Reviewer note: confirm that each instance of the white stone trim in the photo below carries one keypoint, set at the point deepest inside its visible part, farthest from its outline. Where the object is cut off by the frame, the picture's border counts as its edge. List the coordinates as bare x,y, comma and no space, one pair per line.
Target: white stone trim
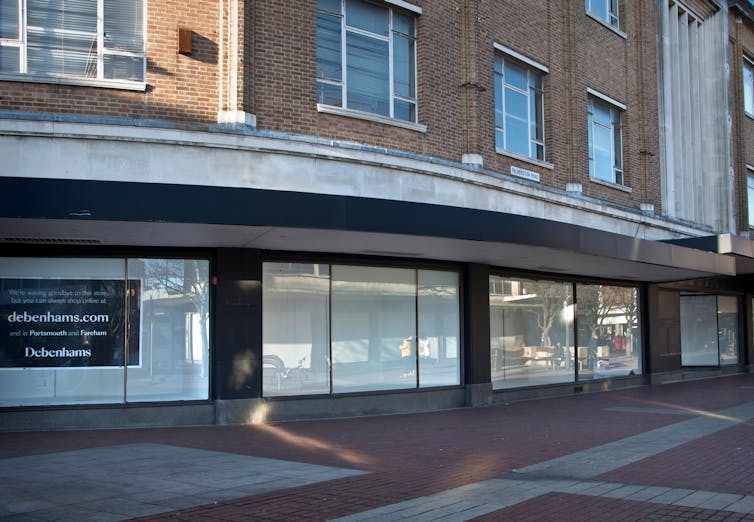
606,98
520,57
405,5
236,117
361,115
124,85
610,184
527,159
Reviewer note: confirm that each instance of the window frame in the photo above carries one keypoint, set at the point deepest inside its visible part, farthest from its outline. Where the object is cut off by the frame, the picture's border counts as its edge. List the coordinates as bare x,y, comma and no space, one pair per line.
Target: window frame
612,15
343,108
532,68
617,170
99,79
750,194
748,85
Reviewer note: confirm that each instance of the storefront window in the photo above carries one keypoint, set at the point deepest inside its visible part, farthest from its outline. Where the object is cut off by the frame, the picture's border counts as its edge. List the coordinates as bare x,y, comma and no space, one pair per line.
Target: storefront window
439,329
609,336
341,329
709,330
78,331
296,343
173,331
531,332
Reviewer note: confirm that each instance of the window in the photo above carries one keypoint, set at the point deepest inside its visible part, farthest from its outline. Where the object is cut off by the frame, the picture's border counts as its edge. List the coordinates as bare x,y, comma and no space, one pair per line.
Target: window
519,112
750,195
605,10
76,39
749,88
605,143
68,336
366,58
339,329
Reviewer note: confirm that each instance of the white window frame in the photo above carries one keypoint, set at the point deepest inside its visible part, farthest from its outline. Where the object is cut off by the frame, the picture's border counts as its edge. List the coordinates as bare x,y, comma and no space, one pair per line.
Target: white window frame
615,108
343,108
506,54
750,194
611,9
98,80
748,84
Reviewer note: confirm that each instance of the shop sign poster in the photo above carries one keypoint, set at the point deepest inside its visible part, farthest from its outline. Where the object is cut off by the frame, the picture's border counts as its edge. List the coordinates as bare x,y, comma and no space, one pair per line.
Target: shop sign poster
74,323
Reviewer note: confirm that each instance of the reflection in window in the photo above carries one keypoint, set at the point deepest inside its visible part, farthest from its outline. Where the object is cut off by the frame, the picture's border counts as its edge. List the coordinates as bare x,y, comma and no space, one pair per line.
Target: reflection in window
727,329
748,88
439,348
609,336
296,345
699,335
531,332
174,330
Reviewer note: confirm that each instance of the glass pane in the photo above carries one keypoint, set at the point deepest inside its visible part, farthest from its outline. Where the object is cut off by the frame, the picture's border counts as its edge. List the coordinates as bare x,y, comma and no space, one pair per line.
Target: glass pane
531,332
124,67
601,114
329,94
439,329
9,19
727,328
516,76
9,59
329,5
617,144
499,139
609,331
62,37
750,197
368,74
403,23
498,101
598,8
602,153
403,67
404,110
64,338
749,89
367,16
373,328
699,330
124,25
172,320
329,47
295,328
498,65
516,122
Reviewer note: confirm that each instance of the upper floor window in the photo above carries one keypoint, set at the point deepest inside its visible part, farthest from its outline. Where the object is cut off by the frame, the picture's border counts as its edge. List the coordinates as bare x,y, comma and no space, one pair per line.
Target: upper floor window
366,58
750,194
749,88
519,111
605,142
605,10
75,39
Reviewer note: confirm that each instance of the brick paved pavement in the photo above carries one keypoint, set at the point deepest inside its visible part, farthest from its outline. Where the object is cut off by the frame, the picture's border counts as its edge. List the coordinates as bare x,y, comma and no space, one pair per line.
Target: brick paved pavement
545,460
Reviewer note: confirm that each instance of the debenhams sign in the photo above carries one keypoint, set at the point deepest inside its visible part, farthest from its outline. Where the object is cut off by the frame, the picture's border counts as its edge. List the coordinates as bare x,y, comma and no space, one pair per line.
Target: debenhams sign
67,323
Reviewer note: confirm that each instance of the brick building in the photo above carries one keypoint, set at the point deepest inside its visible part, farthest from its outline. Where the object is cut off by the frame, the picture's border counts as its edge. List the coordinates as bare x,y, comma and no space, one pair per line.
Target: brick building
228,211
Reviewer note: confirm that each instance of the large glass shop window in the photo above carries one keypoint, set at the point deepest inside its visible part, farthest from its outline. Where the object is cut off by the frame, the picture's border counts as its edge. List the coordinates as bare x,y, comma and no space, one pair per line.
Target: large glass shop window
78,331
340,329
709,330
536,337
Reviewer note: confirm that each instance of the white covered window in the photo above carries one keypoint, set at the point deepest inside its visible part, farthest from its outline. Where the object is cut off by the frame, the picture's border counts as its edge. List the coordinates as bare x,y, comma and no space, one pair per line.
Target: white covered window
749,88
605,10
366,58
74,39
605,141
519,112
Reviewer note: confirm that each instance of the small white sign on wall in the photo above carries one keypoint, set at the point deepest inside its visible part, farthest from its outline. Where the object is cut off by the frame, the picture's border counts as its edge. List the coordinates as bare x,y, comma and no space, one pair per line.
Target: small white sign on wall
523,173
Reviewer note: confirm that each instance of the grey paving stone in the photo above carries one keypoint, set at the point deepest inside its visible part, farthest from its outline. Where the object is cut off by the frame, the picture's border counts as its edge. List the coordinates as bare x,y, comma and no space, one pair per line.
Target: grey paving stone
648,493
745,505
624,491
721,501
672,496
696,499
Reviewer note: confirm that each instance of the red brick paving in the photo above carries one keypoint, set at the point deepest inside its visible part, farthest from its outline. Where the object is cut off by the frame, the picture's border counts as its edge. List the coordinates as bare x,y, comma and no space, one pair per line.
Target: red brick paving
409,456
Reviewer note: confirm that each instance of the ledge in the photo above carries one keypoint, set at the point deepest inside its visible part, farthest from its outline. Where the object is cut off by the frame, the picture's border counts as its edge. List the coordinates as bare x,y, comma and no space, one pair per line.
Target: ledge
124,85
605,24
361,115
526,159
615,186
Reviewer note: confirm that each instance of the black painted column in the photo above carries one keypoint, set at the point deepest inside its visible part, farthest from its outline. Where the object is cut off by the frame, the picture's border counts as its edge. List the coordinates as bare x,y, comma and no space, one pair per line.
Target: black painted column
238,324
477,368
